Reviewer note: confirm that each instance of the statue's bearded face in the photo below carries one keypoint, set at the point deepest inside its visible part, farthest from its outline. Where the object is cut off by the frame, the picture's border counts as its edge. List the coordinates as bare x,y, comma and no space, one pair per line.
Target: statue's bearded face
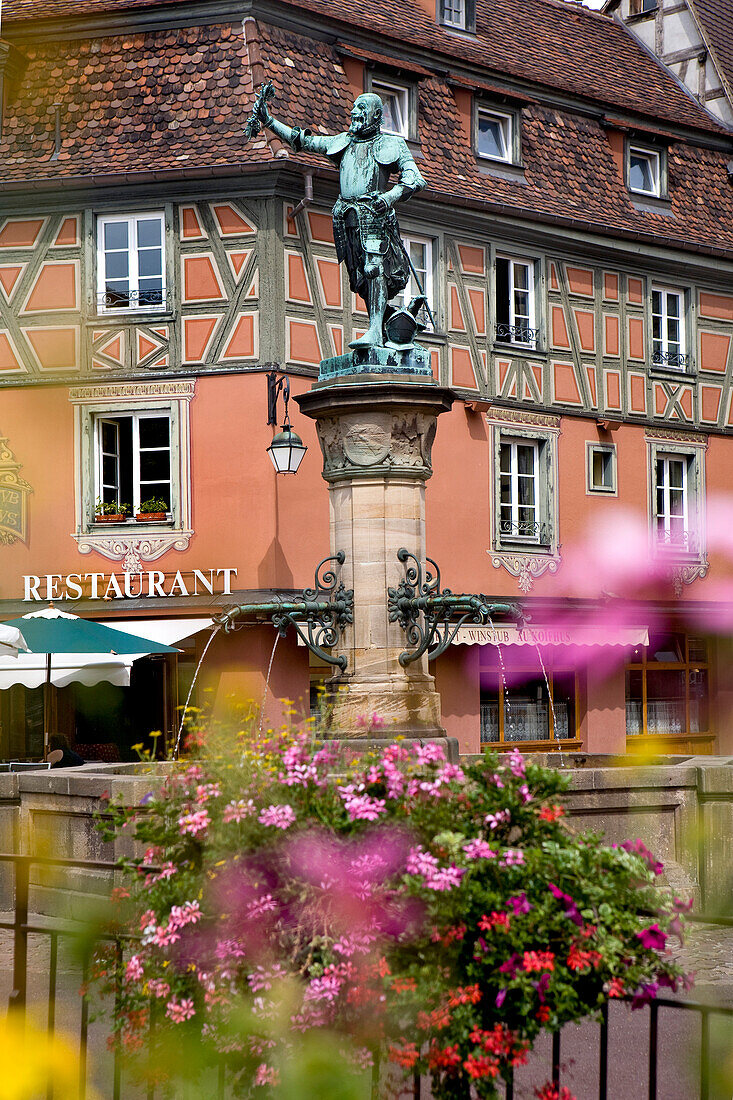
366,115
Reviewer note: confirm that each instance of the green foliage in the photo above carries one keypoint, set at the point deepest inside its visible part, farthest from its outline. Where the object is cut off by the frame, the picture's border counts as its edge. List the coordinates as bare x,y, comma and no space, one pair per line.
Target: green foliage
110,508
303,906
154,504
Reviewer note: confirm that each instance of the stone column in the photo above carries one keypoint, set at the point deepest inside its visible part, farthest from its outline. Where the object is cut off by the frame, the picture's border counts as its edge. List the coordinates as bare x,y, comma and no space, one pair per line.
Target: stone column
376,437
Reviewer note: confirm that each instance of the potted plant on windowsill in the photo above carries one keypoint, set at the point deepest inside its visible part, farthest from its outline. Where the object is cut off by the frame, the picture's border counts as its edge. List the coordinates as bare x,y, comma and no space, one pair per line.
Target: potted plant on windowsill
110,512
152,511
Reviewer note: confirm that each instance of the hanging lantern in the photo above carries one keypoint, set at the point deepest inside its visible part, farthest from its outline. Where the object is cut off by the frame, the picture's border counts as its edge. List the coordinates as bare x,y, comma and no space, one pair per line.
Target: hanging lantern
286,451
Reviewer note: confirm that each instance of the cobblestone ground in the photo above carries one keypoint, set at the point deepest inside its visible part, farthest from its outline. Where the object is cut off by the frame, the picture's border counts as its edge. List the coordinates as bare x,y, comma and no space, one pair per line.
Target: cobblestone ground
708,951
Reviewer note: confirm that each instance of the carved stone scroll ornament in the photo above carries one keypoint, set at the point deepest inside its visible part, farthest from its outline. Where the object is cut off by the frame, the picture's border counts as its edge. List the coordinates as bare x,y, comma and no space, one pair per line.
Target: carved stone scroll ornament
133,552
680,575
525,567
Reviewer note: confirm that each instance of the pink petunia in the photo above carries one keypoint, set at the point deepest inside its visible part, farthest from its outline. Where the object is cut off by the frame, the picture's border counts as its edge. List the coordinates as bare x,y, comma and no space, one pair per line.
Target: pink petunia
653,938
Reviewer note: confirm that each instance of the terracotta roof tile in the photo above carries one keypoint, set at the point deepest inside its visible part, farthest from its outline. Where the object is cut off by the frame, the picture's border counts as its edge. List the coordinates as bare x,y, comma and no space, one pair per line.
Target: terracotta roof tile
178,99
550,42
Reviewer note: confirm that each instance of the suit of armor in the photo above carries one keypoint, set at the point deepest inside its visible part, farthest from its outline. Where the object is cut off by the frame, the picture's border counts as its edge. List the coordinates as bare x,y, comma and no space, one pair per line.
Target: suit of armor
364,223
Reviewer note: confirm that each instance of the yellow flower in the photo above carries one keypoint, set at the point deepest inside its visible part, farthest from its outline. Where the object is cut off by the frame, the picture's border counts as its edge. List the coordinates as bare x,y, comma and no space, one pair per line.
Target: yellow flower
30,1059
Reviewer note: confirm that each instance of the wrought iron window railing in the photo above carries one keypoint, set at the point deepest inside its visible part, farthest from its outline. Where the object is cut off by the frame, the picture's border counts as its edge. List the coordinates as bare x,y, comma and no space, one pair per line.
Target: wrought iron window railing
684,542
526,532
674,359
132,299
517,334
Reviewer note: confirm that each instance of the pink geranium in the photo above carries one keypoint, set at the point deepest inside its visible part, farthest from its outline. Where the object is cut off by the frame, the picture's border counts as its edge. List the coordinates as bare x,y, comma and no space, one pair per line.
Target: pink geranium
180,1011
278,816
238,811
195,822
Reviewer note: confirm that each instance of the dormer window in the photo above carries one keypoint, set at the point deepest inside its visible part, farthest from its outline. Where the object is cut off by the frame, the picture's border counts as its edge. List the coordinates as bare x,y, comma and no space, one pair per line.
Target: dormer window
495,135
644,173
396,102
454,13
459,15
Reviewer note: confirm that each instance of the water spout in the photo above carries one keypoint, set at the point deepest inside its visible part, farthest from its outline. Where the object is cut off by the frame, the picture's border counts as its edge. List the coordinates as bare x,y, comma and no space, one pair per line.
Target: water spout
213,634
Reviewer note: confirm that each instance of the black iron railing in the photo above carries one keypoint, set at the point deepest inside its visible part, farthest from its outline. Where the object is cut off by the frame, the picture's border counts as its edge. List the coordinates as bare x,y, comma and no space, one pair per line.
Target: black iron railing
22,926
131,299
674,359
517,334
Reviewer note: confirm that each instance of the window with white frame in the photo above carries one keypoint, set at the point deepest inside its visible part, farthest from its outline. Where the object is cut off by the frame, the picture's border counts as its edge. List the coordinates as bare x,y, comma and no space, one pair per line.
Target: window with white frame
645,171
668,328
672,514
519,491
131,262
453,13
515,302
396,106
641,7
601,467
495,135
133,459
420,251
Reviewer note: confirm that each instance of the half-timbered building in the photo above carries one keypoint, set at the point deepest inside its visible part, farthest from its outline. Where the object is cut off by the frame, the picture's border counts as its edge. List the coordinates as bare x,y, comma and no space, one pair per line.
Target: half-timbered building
576,244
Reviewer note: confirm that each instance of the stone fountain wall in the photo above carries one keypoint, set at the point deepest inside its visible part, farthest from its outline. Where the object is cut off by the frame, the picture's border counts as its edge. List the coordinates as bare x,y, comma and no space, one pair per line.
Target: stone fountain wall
681,808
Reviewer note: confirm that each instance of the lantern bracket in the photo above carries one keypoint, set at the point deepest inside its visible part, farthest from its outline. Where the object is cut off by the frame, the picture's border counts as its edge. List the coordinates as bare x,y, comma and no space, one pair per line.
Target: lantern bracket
276,386
319,615
426,612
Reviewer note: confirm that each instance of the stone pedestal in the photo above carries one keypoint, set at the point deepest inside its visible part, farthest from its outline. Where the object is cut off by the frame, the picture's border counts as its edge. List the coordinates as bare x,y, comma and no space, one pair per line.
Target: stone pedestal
376,435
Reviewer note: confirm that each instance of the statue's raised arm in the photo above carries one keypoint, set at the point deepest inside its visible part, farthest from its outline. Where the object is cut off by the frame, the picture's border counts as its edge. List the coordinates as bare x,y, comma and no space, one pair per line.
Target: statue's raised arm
365,227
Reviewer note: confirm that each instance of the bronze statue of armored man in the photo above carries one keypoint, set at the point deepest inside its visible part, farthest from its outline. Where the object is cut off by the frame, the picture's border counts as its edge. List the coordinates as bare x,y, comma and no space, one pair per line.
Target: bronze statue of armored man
365,226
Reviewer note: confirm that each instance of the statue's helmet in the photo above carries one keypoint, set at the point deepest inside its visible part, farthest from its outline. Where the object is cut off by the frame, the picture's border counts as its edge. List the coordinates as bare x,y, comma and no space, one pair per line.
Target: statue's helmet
366,114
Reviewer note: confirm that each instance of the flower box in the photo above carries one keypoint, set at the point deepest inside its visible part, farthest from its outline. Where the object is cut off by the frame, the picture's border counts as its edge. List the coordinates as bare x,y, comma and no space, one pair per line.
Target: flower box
118,517
150,517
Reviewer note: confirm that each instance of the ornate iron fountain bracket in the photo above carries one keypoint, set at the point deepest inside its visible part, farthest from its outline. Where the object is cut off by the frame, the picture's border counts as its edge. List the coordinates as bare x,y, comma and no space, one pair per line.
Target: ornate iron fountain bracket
431,616
318,615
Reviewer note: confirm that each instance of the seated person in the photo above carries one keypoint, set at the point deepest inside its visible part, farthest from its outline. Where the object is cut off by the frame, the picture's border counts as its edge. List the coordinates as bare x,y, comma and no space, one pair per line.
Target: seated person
61,755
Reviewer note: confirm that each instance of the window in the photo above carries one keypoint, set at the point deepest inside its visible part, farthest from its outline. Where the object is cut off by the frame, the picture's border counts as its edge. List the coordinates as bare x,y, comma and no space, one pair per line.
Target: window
672,510
396,104
134,458
457,14
133,443
645,171
668,330
667,687
515,302
519,495
641,7
677,505
494,135
453,13
601,467
131,263
518,704
420,251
